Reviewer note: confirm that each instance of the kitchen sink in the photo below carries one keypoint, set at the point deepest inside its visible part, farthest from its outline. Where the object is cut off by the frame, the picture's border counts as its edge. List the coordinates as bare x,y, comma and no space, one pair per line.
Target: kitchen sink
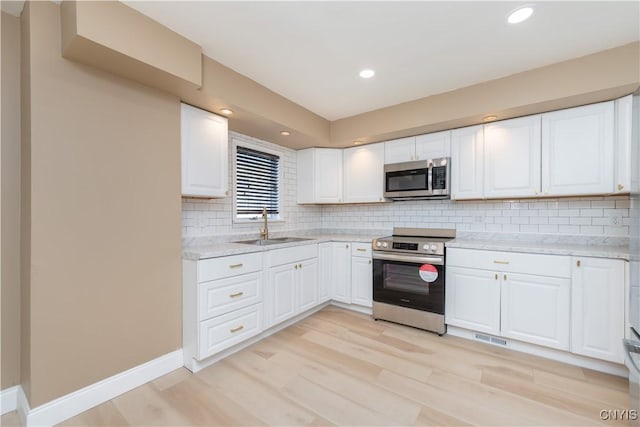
274,241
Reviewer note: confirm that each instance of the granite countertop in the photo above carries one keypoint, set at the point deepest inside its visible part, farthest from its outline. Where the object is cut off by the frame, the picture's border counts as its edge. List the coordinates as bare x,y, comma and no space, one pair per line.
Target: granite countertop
600,247
592,246
210,248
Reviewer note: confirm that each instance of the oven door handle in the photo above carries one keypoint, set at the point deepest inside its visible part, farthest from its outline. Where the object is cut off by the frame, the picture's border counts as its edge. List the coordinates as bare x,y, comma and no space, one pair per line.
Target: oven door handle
408,258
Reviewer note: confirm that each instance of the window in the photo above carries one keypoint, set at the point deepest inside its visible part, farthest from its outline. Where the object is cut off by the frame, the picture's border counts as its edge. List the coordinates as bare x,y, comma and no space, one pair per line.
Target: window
257,183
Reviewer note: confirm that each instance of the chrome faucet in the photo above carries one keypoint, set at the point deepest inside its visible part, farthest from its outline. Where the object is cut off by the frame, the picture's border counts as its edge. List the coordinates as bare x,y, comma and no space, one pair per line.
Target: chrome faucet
264,233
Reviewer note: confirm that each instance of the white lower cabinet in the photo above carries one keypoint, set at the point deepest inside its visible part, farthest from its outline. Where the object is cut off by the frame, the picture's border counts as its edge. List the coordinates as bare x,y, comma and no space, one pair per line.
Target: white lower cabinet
223,331
571,304
281,293
535,309
361,275
348,268
292,284
222,304
597,300
325,271
472,299
340,272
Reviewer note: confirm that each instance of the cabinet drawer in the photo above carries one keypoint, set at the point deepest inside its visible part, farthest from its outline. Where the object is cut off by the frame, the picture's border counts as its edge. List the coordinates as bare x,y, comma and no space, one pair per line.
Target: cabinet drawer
219,268
514,262
223,296
229,329
292,254
361,249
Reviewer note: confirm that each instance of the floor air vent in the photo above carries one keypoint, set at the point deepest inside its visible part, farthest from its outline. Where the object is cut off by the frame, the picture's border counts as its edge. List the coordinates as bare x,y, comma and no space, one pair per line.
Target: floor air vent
490,340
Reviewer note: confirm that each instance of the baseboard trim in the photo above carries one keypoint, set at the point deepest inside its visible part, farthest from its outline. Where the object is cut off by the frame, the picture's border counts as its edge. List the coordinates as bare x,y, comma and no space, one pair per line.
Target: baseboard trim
353,307
9,399
86,398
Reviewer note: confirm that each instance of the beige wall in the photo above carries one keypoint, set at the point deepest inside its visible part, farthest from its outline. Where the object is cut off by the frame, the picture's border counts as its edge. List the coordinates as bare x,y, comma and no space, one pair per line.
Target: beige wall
602,76
105,217
25,201
10,193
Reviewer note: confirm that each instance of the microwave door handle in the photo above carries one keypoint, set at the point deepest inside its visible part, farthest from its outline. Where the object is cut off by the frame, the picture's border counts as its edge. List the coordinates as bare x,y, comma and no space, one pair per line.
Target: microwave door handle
430,177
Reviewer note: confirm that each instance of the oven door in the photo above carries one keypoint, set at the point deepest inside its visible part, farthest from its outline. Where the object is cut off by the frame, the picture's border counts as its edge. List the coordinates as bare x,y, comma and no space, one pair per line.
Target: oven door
409,281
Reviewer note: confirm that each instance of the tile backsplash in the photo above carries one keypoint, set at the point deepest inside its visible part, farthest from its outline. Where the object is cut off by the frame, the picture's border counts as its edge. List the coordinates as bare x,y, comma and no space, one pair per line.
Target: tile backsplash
602,216
595,216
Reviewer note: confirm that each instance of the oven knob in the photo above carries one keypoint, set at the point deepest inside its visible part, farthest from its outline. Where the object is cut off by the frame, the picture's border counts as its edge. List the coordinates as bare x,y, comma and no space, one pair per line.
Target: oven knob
433,247
378,244
425,247
384,244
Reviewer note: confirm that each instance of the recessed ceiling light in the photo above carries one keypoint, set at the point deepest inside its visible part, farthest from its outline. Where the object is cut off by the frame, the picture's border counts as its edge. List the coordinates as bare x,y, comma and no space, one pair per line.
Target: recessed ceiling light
367,74
285,133
226,111
357,142
520,14
489,118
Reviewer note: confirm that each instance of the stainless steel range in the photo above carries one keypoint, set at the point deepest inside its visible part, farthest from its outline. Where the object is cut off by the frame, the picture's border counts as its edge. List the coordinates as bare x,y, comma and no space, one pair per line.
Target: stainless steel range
408,277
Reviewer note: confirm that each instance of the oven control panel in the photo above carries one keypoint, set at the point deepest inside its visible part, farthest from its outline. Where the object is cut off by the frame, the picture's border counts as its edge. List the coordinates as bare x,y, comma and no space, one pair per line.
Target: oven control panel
408,245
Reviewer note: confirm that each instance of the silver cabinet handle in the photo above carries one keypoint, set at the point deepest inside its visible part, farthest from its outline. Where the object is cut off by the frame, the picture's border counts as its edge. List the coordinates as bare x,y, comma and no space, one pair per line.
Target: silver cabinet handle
498,261
236,265
236,329
236,295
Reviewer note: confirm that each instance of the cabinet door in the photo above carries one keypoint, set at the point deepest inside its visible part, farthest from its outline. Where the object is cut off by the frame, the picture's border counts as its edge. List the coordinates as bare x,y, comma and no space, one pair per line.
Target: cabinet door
325,271
624,107
328,175
341,274
433,145
361,281
472,299
281,304
467,148
400,150
364,173
512,158
307,283
536,309
577,150
205,160
597,318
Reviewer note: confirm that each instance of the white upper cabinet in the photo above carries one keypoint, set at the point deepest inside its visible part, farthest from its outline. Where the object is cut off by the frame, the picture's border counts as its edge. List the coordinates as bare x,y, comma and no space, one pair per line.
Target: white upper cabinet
578,150
433,145
467,150
400,150
364,174
623,144
512,158
421,147
320,175
205,160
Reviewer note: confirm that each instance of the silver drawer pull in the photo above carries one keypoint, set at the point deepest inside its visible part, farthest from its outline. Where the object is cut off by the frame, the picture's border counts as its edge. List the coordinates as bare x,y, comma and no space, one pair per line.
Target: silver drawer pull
498,261
236,329
236,295
361,250
236,265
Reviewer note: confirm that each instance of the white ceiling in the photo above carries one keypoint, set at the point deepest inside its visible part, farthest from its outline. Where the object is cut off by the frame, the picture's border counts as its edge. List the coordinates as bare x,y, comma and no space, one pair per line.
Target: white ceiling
311,52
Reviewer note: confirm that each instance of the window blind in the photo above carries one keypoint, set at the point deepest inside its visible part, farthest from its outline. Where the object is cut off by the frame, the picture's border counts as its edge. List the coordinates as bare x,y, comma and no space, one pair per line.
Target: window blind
257,182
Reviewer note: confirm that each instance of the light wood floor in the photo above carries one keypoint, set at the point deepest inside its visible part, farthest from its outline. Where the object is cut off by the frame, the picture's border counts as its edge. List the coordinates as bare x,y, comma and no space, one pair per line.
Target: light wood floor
342,368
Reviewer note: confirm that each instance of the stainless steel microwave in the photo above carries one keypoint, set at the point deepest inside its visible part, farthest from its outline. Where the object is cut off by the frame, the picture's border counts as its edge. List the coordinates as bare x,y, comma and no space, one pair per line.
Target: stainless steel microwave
422,179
